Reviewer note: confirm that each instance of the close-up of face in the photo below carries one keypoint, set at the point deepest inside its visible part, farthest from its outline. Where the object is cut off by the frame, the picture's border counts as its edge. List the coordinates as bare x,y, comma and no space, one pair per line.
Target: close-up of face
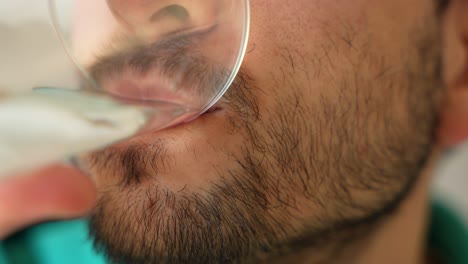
324,132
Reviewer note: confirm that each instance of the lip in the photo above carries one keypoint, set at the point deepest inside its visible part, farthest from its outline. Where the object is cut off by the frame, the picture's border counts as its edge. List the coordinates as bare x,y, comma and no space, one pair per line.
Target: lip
212,110
150,87
194,117
173,108
184,120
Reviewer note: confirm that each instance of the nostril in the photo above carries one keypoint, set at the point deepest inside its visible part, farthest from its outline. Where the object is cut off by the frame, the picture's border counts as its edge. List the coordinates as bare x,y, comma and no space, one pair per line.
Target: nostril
172,11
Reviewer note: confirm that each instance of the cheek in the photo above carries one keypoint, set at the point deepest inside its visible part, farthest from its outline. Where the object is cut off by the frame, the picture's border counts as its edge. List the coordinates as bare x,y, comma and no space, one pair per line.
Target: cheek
200,159
287,46
313,44
189,158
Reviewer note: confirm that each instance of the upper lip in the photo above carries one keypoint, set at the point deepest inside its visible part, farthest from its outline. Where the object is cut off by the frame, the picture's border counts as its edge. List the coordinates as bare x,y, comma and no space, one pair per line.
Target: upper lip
170,71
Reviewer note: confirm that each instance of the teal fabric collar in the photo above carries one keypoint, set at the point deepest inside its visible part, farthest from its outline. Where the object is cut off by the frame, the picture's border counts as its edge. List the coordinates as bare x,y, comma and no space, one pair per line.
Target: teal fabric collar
52,243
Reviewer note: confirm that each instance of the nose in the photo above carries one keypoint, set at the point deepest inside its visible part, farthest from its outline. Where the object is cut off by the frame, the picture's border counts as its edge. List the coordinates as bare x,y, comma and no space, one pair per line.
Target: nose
162,17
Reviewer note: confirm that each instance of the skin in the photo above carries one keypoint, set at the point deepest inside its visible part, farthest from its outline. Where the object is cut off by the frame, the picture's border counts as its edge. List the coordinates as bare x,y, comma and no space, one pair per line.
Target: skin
321,152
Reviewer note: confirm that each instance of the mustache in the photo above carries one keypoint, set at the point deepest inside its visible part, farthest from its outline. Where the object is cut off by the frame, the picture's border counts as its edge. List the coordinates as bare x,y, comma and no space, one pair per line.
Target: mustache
179,60
140,161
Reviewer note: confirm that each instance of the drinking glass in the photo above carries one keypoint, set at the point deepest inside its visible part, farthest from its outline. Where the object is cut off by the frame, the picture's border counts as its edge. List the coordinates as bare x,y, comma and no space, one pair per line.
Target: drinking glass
78,75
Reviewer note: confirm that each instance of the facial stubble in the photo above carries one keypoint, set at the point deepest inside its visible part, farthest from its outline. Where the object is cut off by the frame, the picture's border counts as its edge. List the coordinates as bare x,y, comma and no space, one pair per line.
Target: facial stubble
251,213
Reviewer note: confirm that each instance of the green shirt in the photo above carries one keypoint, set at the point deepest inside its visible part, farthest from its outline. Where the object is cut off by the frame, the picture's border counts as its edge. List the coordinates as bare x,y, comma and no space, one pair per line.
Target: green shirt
68,242
448,235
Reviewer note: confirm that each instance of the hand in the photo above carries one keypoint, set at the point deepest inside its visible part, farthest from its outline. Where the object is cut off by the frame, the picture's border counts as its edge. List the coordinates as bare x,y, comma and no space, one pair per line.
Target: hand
56,192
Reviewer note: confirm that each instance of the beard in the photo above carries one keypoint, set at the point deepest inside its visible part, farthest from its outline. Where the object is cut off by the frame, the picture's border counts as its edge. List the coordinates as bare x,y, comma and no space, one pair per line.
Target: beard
351,157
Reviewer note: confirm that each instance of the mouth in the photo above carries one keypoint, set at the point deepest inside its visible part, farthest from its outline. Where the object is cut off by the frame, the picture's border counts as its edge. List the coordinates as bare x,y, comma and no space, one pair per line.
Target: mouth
192,119
181,122
175,80
172,106
215,108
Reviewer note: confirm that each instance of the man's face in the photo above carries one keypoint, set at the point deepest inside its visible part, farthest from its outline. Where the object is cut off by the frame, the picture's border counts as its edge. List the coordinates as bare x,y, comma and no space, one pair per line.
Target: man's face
324,131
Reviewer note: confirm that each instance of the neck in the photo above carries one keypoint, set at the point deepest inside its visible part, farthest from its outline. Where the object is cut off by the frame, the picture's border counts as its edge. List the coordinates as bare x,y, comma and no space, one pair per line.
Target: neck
400,238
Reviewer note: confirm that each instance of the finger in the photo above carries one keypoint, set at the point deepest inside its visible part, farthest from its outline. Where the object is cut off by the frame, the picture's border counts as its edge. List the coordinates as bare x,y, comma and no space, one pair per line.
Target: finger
57,192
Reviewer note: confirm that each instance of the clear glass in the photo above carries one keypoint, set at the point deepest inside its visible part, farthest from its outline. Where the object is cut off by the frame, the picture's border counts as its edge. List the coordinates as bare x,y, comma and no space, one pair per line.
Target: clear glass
77,75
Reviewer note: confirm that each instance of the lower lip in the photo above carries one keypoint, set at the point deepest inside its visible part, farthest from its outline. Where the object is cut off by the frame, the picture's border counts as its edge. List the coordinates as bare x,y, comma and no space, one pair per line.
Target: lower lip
195,118
181,121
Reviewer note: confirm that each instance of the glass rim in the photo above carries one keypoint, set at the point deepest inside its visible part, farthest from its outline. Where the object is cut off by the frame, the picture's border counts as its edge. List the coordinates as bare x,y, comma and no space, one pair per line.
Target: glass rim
241,52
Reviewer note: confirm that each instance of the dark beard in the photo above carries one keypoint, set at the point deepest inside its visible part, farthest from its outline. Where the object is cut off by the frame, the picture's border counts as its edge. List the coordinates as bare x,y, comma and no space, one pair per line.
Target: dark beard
323,153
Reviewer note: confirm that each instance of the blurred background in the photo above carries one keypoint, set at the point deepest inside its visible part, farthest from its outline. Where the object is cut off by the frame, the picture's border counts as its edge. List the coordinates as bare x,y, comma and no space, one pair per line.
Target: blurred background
451,180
